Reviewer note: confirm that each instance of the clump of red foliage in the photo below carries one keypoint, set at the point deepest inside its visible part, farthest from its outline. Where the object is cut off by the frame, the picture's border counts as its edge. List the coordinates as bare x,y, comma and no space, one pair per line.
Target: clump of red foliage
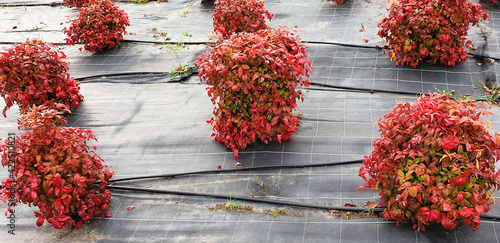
35,73
76,3
434,162
234,16
340,2
429,30
252,78
100,25
55,170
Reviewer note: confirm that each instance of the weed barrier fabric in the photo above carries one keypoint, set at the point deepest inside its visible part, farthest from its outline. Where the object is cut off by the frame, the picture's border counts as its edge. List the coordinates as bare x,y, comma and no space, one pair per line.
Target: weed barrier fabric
147,125
146,129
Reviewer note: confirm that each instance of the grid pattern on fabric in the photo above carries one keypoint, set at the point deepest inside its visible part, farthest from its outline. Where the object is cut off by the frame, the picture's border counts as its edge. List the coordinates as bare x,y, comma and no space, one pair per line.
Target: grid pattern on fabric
146,126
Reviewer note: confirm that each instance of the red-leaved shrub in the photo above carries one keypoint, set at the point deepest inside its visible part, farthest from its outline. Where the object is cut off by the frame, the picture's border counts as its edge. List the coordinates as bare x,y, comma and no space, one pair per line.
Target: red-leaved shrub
429,30
54,169
234,16
340,2
100,25
252,78
35,73
434,162
76,3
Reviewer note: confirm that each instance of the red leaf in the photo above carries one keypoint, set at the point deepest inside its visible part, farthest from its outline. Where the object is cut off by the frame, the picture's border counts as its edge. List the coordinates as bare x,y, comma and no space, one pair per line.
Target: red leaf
108,215
435,215
466,212
446,207
57,180
450,143
458,181
130,208
78,225
425,213
39,221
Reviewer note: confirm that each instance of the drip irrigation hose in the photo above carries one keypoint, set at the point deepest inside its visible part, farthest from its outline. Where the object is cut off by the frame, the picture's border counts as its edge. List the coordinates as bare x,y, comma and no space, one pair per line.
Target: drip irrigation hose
364,89
16,42
52,4
170,42
483,56
342,44
119,74
193,71
175,76
248,199
267,167
212,42
268,201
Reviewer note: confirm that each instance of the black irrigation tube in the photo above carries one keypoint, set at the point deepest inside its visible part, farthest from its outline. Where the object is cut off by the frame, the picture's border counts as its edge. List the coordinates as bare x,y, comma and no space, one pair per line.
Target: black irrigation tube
211,42
267,167
169,42
248,199
120,74
52,4
483,56
194,72
385,48
365,89
268,201
342,44
15,42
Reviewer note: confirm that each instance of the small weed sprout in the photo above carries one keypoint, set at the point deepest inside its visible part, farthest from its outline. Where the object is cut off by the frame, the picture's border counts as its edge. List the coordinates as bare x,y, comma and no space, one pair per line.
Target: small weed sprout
184,13
259,181
231,204
444,92
174,47
179,70
492,92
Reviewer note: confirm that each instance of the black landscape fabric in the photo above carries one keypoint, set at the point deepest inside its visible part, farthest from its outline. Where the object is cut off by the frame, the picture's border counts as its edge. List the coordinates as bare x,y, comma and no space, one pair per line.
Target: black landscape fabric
154,123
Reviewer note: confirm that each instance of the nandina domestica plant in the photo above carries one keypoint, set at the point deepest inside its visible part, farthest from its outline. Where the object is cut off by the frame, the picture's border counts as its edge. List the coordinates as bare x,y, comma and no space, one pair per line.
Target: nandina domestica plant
76,3
100,25
431,30
252,79
55,170
434,162
35,73
234,16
